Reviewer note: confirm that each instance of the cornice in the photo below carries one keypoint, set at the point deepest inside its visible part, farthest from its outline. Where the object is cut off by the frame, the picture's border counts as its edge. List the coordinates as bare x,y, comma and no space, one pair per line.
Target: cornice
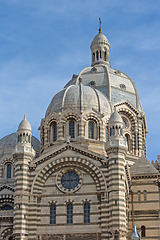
66,147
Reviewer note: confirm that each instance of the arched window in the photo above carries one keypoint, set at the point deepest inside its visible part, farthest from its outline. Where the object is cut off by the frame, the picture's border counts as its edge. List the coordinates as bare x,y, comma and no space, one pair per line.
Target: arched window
111,131
105,54
100,54
91,130
97,56
70,213
6,207
54,132
127,140
86,213
93,57
145,195
106,134
72,128
23,137
143,231
9,168
116,129
53,214
139,196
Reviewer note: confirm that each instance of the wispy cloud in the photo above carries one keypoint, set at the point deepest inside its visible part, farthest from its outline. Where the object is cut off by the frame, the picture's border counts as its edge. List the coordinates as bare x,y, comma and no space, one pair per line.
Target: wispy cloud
43,43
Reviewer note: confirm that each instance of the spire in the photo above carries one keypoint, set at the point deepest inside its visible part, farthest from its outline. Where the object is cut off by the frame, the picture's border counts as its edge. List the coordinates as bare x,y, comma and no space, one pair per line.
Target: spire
100,29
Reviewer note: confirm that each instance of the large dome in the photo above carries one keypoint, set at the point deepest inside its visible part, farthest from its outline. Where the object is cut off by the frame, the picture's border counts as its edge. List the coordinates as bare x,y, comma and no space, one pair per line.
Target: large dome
79,97
116,85
8,144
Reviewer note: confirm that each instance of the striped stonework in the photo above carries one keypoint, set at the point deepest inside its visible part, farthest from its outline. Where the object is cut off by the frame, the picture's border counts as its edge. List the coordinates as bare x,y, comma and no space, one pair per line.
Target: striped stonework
117,189
22,159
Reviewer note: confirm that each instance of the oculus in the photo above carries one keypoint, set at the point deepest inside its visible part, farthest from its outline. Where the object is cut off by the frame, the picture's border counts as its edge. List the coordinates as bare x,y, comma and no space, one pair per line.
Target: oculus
69,180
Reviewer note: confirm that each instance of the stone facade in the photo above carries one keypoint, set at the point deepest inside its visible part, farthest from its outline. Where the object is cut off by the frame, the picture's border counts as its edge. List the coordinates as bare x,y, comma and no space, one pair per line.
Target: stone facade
88,178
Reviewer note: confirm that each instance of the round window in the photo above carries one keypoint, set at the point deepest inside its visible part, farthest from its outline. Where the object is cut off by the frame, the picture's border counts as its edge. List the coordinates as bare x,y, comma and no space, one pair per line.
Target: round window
69,180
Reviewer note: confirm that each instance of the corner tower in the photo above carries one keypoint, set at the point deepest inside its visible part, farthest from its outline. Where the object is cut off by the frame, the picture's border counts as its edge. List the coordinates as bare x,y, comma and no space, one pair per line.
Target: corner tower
23,155
116,149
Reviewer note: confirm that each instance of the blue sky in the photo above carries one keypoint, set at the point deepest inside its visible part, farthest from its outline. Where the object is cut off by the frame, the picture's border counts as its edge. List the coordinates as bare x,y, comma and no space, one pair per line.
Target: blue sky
42,43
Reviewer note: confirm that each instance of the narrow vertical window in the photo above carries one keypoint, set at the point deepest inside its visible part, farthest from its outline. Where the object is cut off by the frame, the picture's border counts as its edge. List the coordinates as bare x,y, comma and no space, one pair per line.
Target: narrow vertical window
9,167
97,56
139,196
86,213
91,130
143,231
54,132
106,134
48,135
70,213
93,57
145,195
71,128
111,131
53,214
105,54
127,140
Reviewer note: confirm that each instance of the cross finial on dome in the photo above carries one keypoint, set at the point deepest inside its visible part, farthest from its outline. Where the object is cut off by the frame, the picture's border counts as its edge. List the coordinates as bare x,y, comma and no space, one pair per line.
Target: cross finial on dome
100,29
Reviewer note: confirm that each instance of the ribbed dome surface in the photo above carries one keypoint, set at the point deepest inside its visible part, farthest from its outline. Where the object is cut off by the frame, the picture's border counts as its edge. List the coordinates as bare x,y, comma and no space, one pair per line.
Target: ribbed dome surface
99,38
24,124
8,143
116,85
79,97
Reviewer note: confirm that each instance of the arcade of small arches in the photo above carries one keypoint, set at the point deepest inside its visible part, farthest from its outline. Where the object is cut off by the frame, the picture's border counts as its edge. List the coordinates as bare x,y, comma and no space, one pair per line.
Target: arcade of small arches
90,127
100,55
24,137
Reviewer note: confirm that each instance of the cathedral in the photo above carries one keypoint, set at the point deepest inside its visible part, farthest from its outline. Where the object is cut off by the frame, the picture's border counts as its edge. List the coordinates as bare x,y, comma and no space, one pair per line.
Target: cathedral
88,177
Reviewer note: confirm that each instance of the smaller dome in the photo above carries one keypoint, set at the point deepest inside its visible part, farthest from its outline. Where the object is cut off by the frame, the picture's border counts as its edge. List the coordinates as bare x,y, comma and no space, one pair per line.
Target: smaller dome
24,124
115,118
79,97
9,142
99,38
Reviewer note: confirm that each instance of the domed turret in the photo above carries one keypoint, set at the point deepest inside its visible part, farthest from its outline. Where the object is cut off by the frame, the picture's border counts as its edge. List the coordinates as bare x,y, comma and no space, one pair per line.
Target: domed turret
100,49
116,126
24,131
115,118
24,124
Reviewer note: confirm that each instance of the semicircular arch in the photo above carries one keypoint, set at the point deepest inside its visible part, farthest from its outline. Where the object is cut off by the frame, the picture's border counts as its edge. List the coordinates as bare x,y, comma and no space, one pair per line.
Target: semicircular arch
81,163
6,232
